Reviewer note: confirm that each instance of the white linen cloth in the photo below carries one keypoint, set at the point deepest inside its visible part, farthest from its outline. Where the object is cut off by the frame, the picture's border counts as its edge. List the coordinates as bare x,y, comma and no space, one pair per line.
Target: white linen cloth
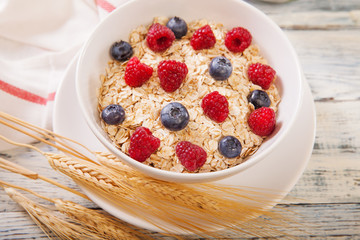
38,39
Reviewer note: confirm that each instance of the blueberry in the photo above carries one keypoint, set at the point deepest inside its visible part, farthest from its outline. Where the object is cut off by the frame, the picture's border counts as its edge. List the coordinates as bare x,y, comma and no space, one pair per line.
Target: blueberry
178,26
174,116
121,51
259,99
220,68
230,147
113,114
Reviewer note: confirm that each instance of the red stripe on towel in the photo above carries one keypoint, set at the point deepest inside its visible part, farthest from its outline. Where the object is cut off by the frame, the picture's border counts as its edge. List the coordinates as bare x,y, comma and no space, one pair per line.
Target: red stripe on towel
25,95
105,5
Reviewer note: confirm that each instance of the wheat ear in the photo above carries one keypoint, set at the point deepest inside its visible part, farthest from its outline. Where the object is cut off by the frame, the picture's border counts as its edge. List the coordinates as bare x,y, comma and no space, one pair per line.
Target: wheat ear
52,224
85,172
221,218
200,197
94,176
167,191
96,220
183,216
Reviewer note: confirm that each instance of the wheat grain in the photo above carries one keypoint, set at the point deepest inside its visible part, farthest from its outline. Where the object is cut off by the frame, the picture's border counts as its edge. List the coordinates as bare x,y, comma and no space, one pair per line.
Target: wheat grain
52,224
96,220
173,192
129,199
215,203
175,203
111,161
99,178
99,221
202,197
80,170
195,209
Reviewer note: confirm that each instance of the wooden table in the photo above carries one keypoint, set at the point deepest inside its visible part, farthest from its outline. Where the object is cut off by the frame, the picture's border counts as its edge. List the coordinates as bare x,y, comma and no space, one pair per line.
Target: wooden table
326,36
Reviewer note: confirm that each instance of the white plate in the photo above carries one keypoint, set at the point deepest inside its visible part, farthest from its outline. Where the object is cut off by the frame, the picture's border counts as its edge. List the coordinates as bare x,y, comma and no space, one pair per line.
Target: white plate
280,171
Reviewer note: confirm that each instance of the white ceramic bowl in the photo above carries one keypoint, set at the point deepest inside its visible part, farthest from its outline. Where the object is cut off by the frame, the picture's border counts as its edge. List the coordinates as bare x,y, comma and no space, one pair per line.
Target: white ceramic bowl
273,43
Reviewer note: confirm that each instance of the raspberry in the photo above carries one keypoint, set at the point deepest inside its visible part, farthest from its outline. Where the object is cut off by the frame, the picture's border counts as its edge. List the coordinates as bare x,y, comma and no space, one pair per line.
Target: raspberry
159,37
215,106
143,144
171,74
137,73
238,39
262,121
191,156
203,38
261,75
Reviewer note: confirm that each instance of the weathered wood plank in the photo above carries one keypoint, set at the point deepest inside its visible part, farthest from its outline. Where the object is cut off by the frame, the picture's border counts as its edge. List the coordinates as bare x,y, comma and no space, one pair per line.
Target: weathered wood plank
317,221
326,36
318,20
338,130
333,172
330,61
328,180
18,225
306,6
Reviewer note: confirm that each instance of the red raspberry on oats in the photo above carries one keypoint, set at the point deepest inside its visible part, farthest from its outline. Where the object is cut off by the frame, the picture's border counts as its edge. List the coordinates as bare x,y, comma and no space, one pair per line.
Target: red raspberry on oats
143,144
215,106
261,74
191,156
238,39
159,37
171,74
203,38
262,121
137,73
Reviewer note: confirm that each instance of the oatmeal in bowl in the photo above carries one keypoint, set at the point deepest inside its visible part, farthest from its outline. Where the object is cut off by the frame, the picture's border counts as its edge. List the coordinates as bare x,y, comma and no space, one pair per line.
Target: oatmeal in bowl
187,98
208,82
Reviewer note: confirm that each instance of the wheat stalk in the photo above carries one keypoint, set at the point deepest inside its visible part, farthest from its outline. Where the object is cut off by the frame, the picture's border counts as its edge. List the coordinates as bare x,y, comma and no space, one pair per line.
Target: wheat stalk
125,189
184,210
193,209
52,224
200,197
168,191
61,141
73,208
94,179
94,176
99,221
15,168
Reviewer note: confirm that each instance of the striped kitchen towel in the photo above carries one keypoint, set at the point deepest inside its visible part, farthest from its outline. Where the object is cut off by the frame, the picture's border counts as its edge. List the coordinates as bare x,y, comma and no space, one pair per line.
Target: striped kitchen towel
38,39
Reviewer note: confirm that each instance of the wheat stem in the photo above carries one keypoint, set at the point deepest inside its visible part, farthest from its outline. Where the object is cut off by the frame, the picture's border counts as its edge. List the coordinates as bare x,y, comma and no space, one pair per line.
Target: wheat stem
6,184
42,131
194,208
51,223
47,134
97,221
15,168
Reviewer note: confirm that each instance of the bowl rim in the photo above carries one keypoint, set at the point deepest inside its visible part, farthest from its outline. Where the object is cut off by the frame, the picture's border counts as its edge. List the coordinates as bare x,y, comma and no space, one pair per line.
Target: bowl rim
188,177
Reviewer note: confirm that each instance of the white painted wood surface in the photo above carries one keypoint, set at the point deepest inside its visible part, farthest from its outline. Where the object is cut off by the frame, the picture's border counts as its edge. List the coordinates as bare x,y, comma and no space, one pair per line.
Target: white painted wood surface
326,36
